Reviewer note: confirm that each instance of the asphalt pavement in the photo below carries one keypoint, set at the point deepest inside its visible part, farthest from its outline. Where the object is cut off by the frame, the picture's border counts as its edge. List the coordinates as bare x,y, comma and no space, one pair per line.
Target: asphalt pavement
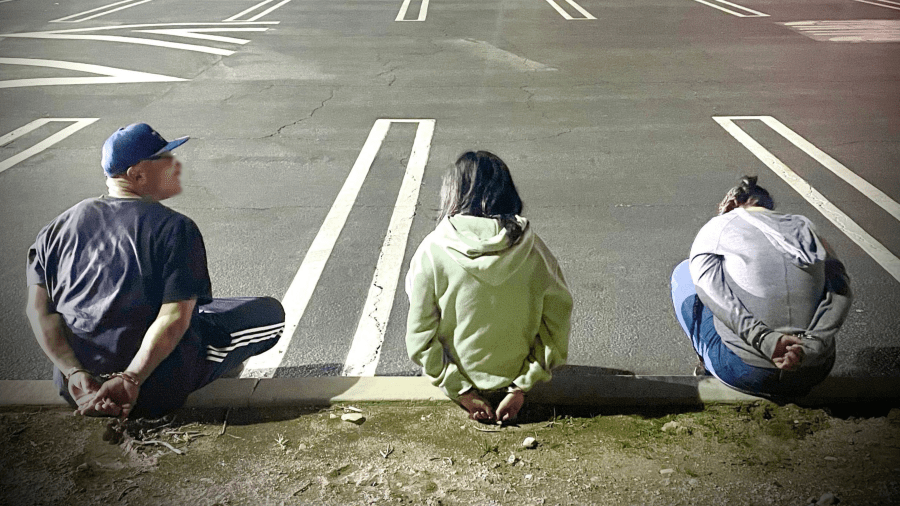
622,128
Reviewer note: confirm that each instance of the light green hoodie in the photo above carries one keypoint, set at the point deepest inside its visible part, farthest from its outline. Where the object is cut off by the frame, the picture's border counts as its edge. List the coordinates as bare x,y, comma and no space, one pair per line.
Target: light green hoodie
482,313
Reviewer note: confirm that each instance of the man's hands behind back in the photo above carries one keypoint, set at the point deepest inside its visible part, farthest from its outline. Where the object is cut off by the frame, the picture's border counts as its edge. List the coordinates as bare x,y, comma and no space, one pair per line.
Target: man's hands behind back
115,397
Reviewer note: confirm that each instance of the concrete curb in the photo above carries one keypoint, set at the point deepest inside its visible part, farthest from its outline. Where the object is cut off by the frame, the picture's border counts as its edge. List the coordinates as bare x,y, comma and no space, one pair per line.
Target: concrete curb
600,390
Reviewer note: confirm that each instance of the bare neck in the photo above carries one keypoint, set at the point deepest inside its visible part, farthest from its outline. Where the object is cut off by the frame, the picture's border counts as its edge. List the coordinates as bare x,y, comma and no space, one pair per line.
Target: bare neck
122,188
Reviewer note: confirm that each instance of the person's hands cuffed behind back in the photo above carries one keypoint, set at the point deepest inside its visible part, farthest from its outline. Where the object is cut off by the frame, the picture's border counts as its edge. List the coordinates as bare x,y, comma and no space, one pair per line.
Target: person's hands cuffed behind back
788,353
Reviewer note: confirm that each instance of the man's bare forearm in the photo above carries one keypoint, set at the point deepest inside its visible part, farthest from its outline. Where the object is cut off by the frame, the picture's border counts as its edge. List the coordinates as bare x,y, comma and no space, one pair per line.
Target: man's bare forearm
50,330
161,338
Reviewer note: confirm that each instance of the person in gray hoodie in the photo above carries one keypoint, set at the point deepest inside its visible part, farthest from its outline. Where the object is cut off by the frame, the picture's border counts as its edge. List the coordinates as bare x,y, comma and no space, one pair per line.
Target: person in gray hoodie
762,297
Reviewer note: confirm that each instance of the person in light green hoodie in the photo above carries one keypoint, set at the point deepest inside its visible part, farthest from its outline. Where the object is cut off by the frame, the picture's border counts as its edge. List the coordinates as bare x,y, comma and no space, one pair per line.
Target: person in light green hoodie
489,307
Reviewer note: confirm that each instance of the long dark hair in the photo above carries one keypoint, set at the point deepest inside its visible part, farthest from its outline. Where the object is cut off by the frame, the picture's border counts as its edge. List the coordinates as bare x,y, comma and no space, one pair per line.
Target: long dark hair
747,192
479,184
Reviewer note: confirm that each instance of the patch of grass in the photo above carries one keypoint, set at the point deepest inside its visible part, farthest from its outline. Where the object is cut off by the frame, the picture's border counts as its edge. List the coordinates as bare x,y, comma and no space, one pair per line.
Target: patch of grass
488,447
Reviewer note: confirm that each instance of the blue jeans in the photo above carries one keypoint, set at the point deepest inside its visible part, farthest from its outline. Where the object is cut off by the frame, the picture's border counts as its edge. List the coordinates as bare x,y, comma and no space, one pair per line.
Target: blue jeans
697,322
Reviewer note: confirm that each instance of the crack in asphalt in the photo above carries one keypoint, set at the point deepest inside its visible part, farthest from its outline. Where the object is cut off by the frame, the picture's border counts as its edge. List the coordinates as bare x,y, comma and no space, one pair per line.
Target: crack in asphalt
255,92
861,141
389,71
529,139
313,112
529,101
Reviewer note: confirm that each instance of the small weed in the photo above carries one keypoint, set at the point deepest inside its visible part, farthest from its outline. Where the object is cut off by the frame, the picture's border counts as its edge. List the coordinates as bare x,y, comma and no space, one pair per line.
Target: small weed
488,447
282,442
553,419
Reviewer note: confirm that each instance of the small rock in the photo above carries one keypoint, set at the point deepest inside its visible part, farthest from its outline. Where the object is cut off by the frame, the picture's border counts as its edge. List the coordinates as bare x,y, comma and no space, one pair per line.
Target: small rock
830,458
666,471
670,426
301,446
693,482
827,499
530,443
356,418
512,458
332,416
528,476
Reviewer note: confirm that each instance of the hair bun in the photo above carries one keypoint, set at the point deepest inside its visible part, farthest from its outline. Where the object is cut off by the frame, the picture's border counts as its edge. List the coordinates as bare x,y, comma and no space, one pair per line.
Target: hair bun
749,182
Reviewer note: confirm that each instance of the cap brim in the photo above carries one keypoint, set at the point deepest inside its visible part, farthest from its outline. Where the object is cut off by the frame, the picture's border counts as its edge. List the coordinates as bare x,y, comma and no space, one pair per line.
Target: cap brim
172,145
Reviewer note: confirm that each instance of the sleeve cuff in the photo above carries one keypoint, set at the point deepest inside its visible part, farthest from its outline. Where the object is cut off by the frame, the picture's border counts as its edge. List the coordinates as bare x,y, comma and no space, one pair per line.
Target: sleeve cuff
769,343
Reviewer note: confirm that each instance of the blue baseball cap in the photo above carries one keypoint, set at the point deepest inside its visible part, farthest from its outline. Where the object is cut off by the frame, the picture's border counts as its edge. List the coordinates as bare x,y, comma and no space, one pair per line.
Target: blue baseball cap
132,144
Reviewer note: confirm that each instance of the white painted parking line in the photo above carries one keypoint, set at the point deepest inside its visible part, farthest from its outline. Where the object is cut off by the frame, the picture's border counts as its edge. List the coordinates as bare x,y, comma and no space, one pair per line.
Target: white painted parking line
423,11
77,18
260,5
362,359
117,38
304,283
149,25
882,3
77,124
836,167
110,75
200,33
562,12
855,30
869,244
748,13
192,32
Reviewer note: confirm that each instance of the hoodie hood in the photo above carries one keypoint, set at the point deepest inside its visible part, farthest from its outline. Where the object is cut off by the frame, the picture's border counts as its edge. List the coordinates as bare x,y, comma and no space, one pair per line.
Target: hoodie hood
793,235
481,246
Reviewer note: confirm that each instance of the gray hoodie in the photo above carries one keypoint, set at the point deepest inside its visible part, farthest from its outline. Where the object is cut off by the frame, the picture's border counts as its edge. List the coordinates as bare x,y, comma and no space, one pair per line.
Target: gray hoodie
764,275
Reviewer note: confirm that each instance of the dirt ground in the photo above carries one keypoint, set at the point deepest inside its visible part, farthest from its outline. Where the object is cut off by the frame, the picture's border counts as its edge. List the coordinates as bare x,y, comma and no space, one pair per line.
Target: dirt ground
430,453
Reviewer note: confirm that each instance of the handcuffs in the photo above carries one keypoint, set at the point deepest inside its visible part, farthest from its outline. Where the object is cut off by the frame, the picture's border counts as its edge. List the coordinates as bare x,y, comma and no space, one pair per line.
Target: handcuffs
105,377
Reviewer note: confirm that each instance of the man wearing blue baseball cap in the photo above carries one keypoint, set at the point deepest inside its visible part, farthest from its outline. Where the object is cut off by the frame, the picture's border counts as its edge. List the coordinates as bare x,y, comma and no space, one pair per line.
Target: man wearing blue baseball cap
120,298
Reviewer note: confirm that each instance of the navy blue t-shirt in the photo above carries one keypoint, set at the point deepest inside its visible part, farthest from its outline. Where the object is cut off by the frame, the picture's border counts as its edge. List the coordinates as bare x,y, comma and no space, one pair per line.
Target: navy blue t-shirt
109,264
